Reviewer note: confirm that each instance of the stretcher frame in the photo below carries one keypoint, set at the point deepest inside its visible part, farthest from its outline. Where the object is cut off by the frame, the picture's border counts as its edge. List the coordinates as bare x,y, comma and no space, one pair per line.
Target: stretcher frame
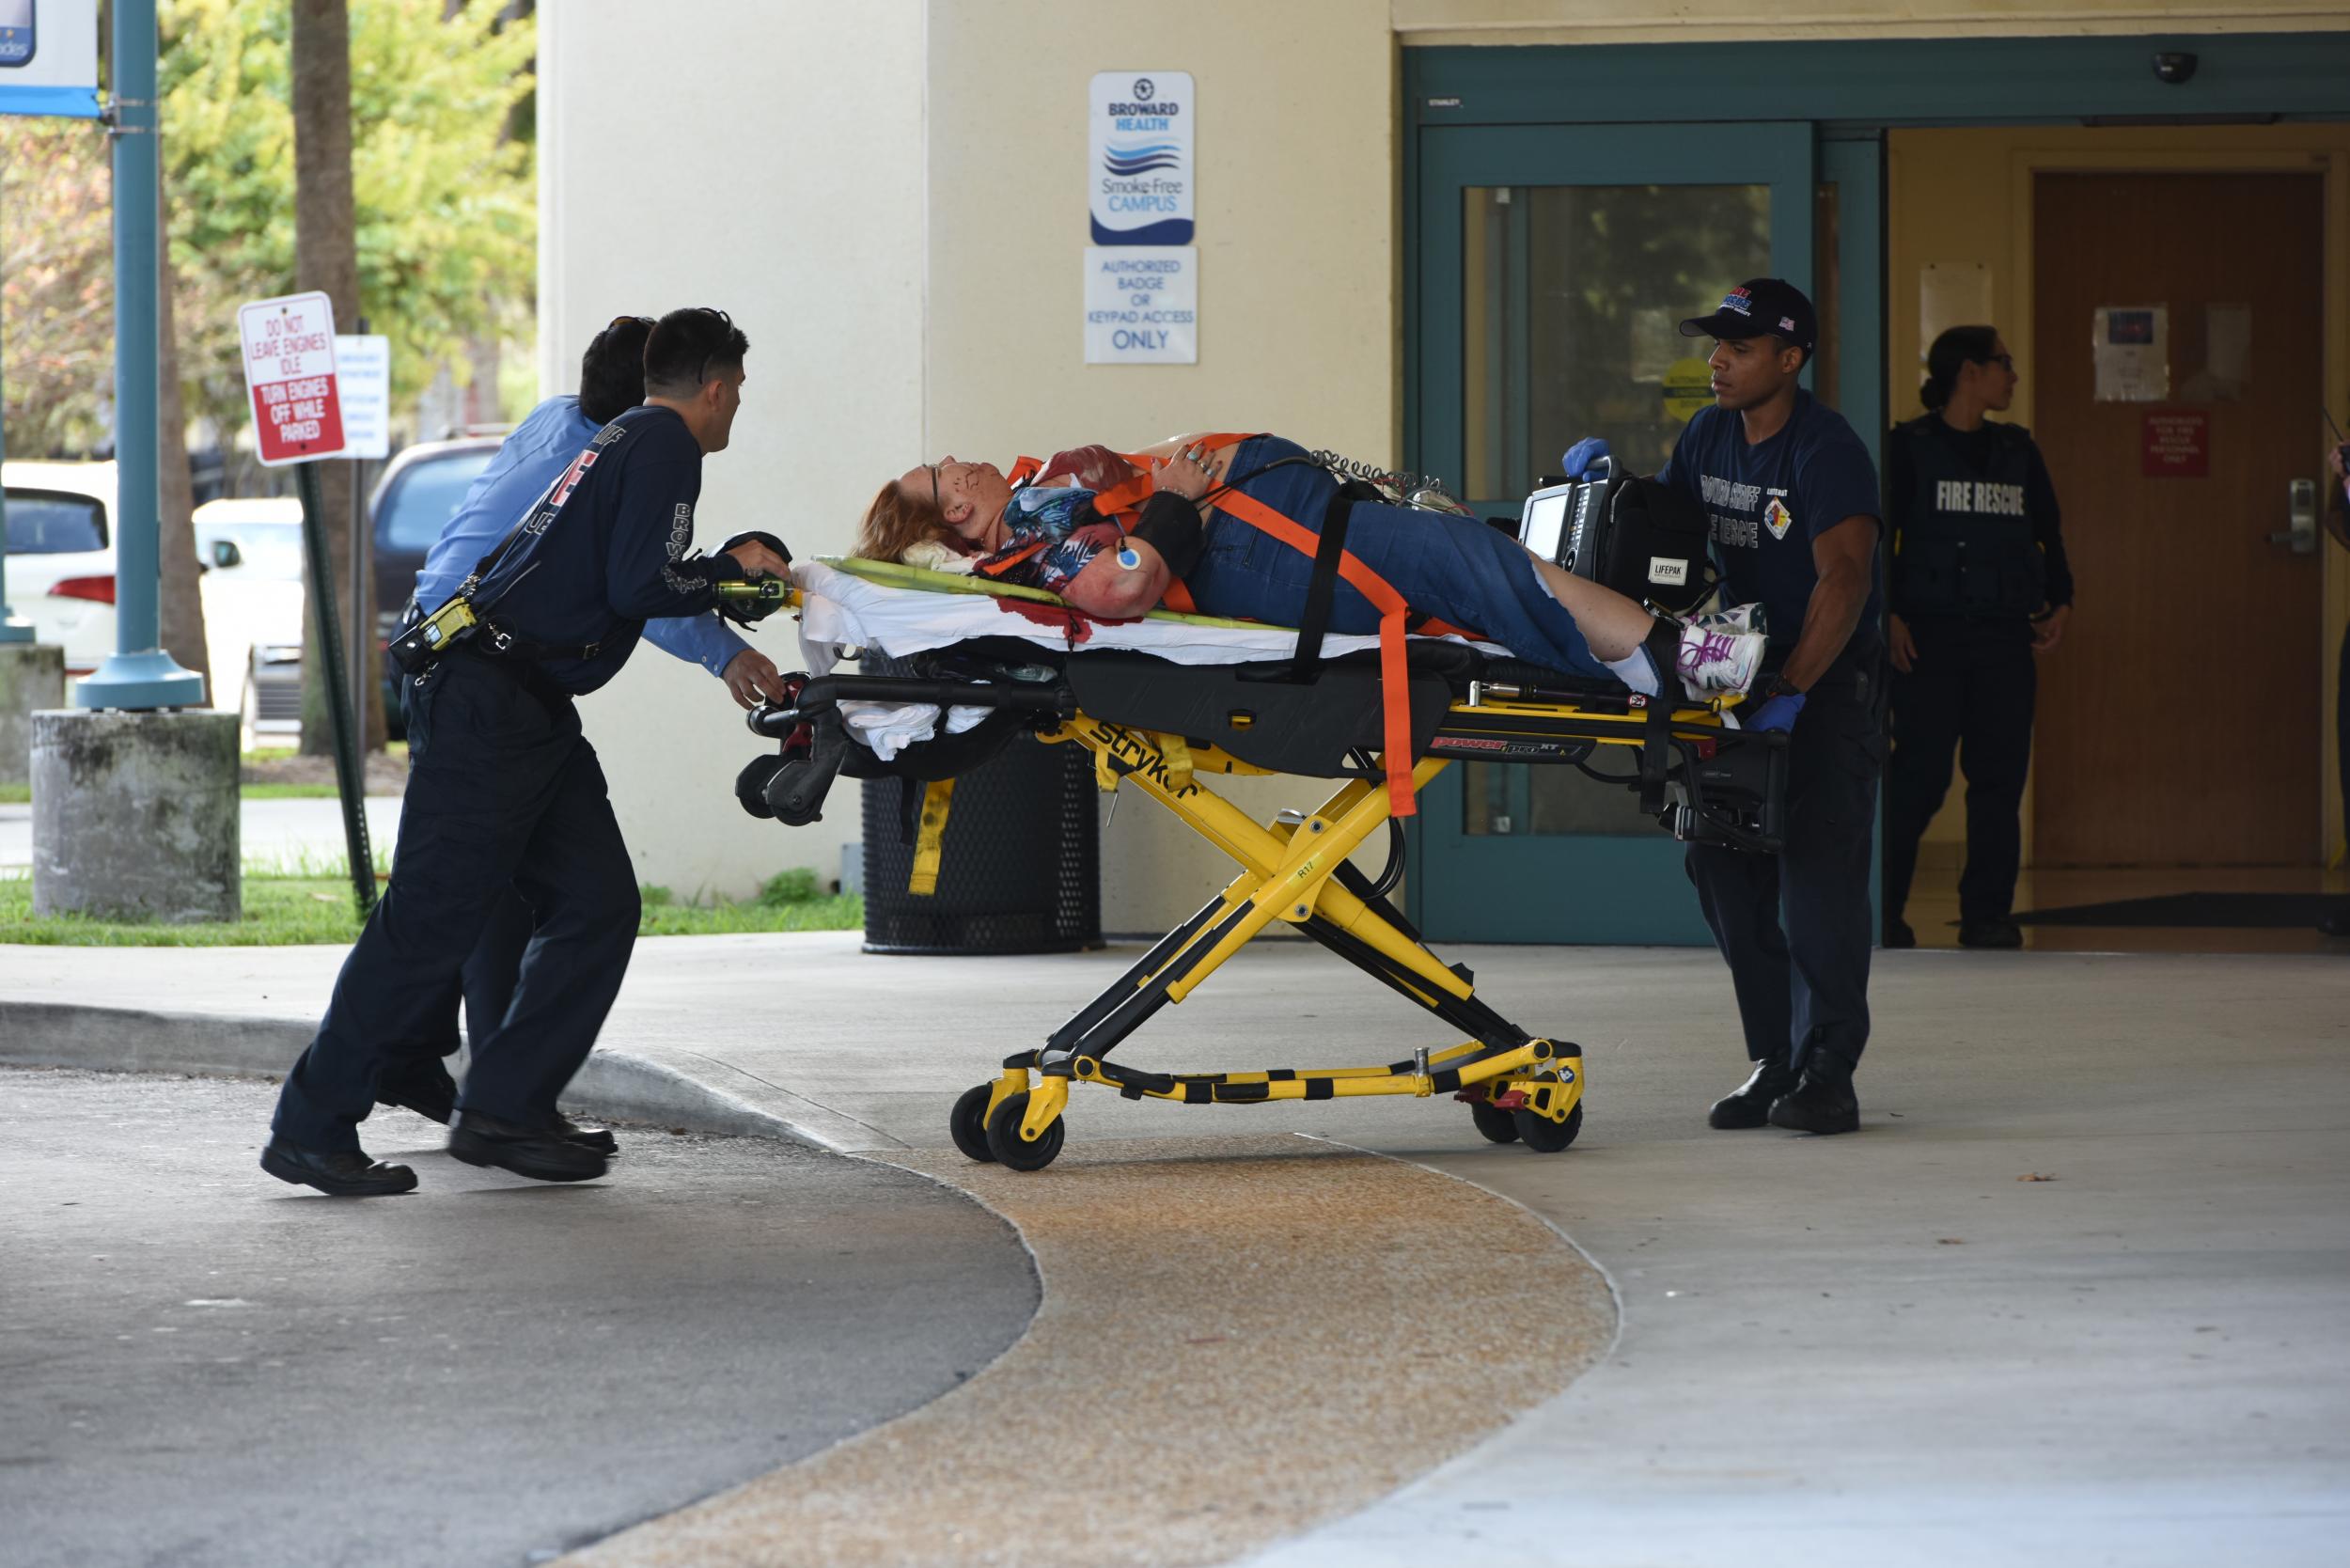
1295,871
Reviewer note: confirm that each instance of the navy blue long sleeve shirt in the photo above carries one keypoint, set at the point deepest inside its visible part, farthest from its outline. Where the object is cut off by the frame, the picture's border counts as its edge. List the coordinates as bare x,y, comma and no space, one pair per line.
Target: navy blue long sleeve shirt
613,531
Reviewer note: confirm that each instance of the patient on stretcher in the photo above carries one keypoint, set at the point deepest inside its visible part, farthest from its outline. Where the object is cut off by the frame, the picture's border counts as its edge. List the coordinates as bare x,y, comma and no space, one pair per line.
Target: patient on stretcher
1199,539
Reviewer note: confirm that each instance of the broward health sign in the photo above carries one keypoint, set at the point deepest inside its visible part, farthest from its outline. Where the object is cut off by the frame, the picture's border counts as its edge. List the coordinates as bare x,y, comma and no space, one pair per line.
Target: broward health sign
1142,272
48,57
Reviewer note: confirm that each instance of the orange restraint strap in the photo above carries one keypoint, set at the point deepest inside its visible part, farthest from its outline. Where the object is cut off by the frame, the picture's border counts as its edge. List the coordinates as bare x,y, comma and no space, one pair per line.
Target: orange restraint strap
1120,502
1395,684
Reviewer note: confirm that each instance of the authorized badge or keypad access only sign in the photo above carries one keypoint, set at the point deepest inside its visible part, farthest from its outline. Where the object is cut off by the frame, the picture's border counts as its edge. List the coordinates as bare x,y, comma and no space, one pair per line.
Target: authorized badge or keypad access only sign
290,369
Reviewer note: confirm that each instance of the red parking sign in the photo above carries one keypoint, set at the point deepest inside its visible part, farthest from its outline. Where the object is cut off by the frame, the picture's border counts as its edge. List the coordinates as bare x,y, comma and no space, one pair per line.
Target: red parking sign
290,369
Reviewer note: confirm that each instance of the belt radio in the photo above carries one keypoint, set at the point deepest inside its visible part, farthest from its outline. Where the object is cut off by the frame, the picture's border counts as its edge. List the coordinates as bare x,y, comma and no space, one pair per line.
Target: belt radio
435,635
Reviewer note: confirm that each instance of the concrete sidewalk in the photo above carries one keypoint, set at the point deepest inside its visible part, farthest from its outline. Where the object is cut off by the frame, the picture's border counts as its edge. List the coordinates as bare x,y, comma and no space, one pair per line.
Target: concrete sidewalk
1877,1349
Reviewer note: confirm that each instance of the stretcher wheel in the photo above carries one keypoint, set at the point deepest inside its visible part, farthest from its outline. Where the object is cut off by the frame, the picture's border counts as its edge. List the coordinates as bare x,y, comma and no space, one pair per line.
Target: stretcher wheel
1543,1135
1003,1137
967,1121
1499,1125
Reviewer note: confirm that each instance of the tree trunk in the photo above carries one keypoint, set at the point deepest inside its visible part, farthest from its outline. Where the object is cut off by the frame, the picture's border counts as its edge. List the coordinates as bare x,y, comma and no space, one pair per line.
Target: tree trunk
182,603
326,258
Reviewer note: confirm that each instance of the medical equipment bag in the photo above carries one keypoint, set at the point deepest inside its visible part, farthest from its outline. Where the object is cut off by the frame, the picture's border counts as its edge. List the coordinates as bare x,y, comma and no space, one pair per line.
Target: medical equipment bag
1645,539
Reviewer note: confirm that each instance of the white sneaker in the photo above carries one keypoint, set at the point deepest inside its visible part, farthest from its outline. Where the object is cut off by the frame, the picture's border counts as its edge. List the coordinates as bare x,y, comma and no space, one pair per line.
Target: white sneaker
1713,661
1745,618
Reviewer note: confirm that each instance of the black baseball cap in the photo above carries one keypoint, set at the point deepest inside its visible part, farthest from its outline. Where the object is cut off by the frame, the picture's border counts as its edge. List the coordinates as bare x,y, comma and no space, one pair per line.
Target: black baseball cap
1760,307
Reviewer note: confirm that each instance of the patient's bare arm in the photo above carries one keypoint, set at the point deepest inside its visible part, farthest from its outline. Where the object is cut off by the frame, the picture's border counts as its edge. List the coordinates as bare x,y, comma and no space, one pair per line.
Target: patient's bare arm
1115,592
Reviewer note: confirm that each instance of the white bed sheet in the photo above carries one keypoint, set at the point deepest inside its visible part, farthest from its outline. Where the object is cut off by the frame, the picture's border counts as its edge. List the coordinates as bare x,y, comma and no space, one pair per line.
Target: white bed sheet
840,614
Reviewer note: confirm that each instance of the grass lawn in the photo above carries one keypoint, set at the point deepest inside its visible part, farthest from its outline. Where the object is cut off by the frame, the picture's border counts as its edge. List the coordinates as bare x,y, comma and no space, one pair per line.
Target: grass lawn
283,910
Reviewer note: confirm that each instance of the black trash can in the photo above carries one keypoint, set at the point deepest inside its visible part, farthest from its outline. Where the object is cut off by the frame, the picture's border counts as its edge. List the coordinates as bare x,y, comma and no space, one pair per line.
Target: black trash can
1019,867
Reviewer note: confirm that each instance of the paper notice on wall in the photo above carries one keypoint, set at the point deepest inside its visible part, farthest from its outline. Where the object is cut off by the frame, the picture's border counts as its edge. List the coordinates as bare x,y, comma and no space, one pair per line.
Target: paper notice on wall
1950,293
2132,353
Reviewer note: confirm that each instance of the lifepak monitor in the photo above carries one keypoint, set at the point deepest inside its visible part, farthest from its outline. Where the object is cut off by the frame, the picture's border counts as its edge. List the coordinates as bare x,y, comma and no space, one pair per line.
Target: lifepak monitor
1644,539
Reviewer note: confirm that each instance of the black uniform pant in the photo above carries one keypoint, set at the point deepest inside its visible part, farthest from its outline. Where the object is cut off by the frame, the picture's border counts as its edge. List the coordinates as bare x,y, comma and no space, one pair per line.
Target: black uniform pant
1970,695
1794,927
505,795
485,987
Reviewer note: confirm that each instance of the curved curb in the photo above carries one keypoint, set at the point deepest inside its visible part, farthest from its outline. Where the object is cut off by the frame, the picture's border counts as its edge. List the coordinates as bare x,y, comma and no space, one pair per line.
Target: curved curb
619,1084
1240,1338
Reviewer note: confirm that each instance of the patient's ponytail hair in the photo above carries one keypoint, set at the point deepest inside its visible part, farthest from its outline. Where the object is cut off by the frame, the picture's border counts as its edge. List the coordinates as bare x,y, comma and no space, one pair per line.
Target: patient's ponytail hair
897,521
1952,353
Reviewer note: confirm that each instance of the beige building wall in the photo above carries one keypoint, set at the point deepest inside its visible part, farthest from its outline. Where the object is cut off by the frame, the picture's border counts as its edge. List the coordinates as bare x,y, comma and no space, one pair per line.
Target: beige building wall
1298,168
766,159
889,196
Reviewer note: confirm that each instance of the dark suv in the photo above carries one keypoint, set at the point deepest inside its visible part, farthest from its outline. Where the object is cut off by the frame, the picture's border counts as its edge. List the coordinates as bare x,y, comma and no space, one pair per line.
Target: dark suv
418,492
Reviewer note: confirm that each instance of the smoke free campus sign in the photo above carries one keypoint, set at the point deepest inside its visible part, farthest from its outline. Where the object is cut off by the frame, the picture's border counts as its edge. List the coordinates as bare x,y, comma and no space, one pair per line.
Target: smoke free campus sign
1139,158
1141,270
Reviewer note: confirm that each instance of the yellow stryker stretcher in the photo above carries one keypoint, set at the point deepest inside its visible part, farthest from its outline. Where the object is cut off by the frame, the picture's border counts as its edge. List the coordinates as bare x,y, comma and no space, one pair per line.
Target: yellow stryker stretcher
1165,727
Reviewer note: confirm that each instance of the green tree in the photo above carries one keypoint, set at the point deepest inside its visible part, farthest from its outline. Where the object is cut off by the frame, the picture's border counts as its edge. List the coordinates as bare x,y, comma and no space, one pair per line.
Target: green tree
445,203
56,288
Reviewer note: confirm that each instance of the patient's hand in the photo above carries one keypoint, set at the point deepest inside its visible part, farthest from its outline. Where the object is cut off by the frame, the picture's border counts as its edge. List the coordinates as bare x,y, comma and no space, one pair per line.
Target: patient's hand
1191,473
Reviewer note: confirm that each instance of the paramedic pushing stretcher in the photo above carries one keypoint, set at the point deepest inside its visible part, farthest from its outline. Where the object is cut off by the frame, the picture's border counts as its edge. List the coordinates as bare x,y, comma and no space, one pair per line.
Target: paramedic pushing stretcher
504,791
1792,500
611,381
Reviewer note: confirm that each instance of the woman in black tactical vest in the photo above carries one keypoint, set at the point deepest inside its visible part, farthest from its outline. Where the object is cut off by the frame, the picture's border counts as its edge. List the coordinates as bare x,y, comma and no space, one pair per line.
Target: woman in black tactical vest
1980,587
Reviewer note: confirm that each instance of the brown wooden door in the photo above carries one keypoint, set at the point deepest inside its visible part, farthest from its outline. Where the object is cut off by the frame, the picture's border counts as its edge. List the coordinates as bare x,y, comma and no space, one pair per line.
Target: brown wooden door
2179,723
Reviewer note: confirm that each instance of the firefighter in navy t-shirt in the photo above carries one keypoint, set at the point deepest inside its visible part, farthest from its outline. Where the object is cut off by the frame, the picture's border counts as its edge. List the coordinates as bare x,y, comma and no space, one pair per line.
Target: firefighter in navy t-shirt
1792,496
503,792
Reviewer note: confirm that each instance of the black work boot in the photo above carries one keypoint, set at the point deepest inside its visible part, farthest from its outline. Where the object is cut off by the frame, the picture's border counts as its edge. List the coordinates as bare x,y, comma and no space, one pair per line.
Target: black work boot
1749,1104
1992,931
541,1154
598,1139
1822,1099
425,1088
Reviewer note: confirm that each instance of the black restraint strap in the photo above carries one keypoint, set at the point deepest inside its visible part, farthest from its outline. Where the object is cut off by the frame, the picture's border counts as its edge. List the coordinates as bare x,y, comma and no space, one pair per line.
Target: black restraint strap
1323,587
1663,647
1171,526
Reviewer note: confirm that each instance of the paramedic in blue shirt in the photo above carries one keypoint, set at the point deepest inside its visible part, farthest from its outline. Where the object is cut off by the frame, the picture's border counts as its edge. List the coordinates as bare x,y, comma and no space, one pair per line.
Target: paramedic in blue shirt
611,379
1791,497
503,792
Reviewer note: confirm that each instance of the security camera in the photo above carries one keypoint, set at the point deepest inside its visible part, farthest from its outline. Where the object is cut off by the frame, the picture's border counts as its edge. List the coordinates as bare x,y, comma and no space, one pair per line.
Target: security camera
2177,69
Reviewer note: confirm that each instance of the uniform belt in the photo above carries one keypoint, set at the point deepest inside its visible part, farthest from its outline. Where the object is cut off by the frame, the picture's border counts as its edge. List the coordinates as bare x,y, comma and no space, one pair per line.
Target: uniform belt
521,669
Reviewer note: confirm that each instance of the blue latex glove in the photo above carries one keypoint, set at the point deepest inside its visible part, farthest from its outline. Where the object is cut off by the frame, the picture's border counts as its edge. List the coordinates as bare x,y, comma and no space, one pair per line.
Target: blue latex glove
1779,713
1582,455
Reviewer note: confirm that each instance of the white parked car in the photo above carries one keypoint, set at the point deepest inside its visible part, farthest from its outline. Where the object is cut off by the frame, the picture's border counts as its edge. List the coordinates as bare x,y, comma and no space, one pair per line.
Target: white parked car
61,555
249,550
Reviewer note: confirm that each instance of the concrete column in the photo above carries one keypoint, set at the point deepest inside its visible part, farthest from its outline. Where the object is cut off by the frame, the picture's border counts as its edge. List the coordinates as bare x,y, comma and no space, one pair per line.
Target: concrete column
32,676
134,816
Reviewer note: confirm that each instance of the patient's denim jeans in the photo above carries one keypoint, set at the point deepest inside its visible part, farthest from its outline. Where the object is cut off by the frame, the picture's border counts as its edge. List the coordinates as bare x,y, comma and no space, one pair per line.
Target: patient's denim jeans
1457,569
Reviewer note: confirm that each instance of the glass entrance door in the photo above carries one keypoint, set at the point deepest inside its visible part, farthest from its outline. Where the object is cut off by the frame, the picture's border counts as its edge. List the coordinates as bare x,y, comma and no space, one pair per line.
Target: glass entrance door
1551,267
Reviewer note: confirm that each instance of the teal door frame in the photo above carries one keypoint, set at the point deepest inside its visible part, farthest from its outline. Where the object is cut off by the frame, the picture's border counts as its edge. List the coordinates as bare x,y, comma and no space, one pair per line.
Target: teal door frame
1506,888
1848,93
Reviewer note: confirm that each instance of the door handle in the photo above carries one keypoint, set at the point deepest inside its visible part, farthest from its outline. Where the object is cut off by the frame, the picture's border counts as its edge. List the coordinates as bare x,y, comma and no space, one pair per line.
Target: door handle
2300,530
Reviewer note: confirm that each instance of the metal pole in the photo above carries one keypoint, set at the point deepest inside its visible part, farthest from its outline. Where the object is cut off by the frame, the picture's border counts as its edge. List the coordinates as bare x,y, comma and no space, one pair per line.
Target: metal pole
13,628
350,778
138,674
362,644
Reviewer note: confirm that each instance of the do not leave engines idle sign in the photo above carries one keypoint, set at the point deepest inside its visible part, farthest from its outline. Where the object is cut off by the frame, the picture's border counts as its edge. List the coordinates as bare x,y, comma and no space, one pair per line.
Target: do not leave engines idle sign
290,369
1142,272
